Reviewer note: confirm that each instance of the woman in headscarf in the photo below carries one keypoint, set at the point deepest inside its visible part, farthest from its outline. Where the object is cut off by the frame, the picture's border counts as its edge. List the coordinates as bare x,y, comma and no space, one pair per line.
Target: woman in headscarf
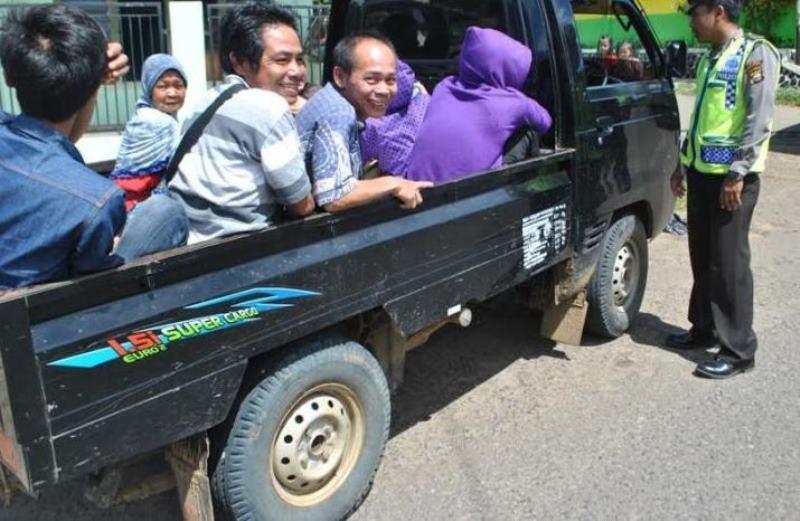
471,116
152,135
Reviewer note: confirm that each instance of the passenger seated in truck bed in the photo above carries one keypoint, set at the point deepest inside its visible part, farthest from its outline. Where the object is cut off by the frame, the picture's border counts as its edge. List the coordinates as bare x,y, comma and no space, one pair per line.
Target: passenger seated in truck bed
245,171
390,139
152,134
364,83
59,218
471,116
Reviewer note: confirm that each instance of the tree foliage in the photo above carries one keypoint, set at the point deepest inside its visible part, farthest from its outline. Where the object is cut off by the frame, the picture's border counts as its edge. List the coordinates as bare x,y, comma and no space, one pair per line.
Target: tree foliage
761,16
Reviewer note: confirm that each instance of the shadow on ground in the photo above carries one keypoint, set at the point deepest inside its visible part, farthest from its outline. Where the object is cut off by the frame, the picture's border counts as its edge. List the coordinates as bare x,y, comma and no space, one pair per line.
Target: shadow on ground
787,141
457,361
650,330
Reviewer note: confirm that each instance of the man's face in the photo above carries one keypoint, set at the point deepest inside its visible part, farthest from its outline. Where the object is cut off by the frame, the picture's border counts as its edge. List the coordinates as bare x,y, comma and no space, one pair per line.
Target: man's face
372,83
282,69
704,23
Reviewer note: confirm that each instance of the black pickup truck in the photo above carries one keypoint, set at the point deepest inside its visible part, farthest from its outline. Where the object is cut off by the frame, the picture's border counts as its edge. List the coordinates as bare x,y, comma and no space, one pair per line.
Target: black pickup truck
284,344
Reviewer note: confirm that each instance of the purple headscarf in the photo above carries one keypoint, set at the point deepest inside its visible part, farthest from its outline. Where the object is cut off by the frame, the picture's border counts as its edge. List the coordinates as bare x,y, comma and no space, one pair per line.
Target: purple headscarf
390,139
471,116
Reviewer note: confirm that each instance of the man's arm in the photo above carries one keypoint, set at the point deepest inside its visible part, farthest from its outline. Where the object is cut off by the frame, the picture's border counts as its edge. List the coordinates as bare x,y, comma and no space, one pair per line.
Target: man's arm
367,191
303,208
337,188
93,252
762,68
284,169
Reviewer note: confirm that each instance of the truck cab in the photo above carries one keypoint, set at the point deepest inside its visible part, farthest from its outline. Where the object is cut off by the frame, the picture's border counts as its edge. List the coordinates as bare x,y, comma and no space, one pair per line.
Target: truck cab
283,345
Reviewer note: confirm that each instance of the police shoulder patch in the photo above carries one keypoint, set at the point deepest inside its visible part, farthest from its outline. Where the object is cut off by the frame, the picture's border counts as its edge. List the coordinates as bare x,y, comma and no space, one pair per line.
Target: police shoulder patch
755,71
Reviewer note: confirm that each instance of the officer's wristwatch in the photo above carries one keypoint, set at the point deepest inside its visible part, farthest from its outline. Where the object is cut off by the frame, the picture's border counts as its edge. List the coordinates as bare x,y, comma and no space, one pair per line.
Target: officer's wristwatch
734,176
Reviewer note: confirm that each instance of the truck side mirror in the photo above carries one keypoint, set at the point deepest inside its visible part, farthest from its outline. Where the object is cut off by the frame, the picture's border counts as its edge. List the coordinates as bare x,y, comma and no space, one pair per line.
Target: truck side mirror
677,59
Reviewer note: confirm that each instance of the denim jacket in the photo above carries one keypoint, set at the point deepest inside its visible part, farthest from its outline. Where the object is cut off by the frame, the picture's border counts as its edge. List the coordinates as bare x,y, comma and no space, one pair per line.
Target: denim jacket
58,218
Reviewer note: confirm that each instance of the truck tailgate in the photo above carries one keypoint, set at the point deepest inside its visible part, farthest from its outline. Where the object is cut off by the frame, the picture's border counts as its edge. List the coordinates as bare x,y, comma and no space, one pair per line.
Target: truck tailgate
25,447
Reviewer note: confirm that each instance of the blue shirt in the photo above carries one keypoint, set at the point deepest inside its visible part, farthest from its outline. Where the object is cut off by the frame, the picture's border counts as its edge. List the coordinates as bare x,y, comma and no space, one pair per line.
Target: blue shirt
328,130
58,218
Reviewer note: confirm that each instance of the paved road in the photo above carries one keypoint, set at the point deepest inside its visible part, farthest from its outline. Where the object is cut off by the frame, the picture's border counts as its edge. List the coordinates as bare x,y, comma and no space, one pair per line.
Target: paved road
497,423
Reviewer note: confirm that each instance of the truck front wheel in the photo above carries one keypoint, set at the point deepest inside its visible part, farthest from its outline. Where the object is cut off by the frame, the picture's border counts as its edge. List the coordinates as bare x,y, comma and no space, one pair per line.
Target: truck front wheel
617,287
307,440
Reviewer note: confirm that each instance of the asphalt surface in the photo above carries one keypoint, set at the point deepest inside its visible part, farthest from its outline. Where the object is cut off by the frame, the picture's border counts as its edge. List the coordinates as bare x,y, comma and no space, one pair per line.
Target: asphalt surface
494,422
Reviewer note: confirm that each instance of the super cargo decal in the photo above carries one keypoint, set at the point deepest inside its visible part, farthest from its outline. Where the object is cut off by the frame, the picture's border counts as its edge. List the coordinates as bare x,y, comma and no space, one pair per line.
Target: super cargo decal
244,307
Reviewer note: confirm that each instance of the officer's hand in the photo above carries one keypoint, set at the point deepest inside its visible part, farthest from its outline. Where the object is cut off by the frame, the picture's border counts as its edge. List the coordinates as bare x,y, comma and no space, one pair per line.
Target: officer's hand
677,184
730,196
117,63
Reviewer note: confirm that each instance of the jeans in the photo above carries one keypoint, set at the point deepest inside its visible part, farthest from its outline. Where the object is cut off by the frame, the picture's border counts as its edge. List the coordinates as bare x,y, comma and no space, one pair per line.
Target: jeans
156,224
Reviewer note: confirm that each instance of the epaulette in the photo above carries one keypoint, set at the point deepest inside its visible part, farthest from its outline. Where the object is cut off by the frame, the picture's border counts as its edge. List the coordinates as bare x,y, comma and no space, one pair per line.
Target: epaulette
753,36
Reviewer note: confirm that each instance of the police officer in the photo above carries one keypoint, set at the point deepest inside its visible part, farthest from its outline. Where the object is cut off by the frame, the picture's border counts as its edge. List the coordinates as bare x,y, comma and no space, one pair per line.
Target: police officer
723,155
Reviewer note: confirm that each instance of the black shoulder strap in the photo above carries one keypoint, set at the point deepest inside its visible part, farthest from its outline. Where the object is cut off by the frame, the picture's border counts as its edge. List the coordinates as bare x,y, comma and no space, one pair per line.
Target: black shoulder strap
196,130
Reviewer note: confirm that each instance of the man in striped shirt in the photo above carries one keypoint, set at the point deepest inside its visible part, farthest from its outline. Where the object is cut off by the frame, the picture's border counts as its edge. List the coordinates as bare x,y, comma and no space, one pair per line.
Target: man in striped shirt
247,167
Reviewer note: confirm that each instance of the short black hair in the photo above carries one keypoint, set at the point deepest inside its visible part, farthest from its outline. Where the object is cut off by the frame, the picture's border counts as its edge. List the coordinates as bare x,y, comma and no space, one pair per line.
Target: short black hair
55,57
344,52
733,8
242,29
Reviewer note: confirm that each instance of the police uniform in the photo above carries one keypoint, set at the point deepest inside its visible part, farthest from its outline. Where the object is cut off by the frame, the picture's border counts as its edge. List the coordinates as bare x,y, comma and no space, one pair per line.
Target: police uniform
728,139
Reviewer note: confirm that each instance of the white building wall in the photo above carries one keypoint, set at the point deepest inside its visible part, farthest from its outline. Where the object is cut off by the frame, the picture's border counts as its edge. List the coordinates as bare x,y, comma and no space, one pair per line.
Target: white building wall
187,44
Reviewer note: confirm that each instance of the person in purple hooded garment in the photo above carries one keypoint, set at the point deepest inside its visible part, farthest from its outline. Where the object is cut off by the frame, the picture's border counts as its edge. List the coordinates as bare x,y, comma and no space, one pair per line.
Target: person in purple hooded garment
390,139
471,116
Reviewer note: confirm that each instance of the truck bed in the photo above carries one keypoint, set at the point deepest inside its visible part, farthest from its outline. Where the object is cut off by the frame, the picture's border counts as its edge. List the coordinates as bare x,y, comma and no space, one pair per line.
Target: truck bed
108,366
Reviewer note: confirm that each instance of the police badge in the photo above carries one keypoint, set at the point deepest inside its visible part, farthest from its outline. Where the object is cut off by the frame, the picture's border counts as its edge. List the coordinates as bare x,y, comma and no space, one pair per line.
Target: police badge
755,71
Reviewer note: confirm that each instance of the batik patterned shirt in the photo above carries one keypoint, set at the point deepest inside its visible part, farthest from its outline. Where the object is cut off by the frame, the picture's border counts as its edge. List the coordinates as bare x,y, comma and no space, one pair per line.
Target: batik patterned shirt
329,131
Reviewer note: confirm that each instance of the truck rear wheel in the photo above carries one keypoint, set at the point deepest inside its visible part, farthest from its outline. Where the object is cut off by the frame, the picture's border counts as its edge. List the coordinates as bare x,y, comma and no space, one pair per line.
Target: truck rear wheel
307,440
617,287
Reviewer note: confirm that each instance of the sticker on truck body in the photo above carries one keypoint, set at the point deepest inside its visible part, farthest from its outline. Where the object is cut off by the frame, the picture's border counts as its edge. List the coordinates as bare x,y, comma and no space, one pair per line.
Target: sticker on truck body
544,234
245,307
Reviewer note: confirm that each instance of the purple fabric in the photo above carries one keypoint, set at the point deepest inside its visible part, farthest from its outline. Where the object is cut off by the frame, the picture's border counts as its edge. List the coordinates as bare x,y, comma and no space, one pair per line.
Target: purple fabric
471,116
390,139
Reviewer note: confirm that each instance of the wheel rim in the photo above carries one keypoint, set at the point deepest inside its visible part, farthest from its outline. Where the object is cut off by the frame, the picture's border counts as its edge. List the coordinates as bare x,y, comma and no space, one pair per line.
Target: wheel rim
625,279
317,445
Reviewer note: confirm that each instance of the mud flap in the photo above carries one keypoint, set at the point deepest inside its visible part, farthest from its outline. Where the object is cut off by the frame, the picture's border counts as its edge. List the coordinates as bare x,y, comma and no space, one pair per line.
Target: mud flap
564,322
189,461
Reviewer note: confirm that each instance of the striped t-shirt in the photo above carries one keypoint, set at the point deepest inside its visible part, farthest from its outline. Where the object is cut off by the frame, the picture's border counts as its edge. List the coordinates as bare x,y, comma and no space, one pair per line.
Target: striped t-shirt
245,166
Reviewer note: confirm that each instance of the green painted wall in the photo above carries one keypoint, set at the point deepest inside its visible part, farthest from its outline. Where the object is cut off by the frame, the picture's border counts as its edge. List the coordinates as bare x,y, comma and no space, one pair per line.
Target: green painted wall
784,28
672,25
667,26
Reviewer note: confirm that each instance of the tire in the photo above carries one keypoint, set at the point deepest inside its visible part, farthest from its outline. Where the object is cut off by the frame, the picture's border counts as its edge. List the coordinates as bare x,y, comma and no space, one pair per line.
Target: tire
307,440
617,287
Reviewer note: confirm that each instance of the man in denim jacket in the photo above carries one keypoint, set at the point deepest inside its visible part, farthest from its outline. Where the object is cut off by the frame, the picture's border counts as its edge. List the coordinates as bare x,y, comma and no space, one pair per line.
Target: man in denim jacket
58,218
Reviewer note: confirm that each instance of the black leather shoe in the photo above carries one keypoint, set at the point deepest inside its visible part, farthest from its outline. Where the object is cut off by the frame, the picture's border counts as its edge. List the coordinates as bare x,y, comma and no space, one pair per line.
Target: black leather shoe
691,340
721,367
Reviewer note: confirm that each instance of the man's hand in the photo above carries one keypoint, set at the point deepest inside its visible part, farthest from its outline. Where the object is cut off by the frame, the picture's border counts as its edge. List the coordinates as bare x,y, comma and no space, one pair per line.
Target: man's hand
117,63
409,192
677,183
730,196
